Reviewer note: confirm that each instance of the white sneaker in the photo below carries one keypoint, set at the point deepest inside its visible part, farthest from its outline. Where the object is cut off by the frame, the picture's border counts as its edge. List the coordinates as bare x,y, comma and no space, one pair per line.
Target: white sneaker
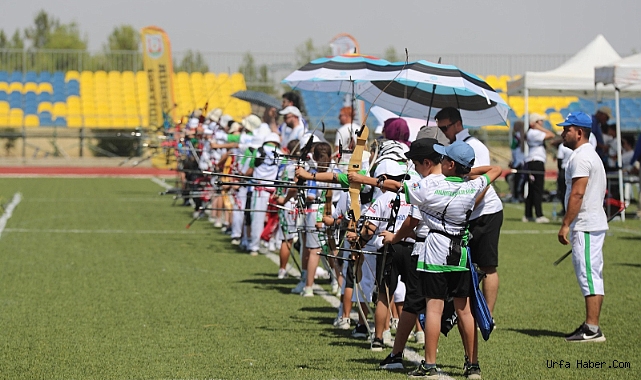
282,273
321,273
253,253
235,241
387,338
420,337
542,219
335,288
525,219
307,292
343,324
299,288
218,224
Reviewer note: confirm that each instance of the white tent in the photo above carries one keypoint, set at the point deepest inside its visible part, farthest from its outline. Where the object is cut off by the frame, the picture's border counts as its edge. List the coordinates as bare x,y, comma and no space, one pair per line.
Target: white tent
625,76
573,78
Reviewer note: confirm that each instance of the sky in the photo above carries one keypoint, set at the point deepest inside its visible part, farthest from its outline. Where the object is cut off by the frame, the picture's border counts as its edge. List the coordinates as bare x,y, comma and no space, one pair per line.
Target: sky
421,26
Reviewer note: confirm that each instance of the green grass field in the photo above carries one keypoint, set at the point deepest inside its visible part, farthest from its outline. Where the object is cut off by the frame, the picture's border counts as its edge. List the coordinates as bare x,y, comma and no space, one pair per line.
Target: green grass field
99,279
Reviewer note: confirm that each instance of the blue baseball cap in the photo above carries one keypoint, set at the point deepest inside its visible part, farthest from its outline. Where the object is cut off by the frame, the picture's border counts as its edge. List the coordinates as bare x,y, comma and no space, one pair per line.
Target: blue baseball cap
579,119
459,151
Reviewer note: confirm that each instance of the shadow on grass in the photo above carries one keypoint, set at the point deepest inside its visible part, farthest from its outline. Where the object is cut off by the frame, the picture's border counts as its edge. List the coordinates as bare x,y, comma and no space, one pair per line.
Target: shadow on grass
628,265
538,333
629,237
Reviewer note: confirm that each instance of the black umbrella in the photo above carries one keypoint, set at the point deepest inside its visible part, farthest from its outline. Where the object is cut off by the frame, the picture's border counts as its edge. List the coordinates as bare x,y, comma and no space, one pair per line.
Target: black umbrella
258,98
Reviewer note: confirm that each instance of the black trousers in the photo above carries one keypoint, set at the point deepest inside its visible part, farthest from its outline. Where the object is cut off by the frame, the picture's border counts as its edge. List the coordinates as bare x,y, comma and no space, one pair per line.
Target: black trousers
535,192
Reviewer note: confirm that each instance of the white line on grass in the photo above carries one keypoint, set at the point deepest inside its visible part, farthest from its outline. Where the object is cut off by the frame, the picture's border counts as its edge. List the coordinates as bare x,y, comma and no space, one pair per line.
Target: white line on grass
409,354
130,232
160,182
8,211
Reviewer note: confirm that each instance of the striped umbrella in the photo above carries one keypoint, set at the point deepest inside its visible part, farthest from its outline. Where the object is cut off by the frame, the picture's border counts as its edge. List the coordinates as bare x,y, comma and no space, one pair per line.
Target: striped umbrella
338,73
423,88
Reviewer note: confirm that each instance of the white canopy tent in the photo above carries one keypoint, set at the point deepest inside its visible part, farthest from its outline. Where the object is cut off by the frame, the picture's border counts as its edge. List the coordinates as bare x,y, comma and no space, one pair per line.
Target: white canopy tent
625,76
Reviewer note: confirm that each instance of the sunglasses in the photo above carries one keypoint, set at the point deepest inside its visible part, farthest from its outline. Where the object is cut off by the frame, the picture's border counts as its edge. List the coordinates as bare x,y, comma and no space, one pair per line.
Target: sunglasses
445,127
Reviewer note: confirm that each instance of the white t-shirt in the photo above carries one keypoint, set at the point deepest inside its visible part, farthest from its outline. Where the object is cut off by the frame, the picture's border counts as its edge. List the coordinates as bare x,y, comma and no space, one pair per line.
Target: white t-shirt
346,133
491,202
444,203
585,162
268,168
536,145
295,134
564,152
381,207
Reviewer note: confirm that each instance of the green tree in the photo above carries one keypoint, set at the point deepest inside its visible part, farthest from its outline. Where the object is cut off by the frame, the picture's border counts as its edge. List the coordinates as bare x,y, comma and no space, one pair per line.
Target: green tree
192,61
4,41
123,37
40,32
390,54
307,52
257,78
16,40
66,36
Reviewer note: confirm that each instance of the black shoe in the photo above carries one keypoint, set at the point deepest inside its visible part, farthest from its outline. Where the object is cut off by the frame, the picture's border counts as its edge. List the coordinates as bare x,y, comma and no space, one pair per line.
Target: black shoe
472,371
377,345
425,372
392,361
584,334
360,332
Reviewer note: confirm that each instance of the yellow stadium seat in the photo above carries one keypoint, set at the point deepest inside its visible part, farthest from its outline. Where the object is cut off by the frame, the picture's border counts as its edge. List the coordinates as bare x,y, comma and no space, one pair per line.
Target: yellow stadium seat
4,86
100,76
29,87
72,75
59,110
44,87
15,86
31,121
103,121
74,121
132,121
90,121
73,101
4,108
16,116
554,119
45,106
492,80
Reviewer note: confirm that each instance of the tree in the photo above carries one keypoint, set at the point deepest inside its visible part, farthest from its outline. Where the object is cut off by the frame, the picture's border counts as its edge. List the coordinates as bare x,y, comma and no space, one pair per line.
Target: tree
123,37
192,61
390,54
39,34
307,52
4,41
66,36
256,78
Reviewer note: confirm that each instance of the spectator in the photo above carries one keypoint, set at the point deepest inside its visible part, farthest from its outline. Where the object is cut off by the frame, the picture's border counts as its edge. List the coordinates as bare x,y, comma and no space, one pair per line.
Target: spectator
535,162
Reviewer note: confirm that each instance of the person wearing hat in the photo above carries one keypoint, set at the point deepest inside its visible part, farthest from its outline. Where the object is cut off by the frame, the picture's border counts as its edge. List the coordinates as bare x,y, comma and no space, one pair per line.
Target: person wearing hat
291,116
585,223
535,138
445,202
487,217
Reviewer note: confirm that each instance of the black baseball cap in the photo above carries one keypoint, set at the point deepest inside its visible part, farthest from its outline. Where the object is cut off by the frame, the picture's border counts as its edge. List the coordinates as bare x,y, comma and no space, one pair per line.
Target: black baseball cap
422,148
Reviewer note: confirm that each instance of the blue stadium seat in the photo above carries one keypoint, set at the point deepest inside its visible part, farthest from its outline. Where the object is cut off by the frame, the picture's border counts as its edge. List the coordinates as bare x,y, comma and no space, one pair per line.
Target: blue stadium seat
45,76
57,76
31,108
45,119
16,76
31,76
15,100
3,96
73,88
30,96
59,96
44,97
60,122
4,76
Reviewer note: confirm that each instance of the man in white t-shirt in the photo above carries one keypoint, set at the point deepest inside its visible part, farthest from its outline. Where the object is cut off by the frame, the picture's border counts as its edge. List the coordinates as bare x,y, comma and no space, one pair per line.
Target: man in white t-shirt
487,217
585,221
346,135
535,163
291,116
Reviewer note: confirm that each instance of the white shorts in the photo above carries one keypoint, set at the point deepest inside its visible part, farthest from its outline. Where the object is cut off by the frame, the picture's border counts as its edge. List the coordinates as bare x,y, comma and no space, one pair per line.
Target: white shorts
287,223
587,257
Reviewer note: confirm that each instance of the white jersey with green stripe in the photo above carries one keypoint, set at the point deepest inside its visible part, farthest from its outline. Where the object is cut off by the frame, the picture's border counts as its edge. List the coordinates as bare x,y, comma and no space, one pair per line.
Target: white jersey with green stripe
445,204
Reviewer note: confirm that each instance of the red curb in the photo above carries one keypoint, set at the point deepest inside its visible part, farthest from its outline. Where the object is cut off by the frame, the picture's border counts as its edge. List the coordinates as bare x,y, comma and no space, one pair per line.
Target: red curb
55,171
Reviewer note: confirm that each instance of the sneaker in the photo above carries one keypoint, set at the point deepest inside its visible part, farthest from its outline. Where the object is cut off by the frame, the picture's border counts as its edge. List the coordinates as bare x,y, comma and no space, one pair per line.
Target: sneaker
420,337
335,288
393,326
525,219
343,324
218,224
542,219
307,292
584,334
387,338
360,332
282,273
425,372
377,345
472,371
392,361
253,253
299,288
235,241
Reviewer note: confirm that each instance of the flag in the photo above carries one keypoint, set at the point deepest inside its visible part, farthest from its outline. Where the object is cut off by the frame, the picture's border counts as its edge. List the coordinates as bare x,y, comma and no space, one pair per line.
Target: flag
157,63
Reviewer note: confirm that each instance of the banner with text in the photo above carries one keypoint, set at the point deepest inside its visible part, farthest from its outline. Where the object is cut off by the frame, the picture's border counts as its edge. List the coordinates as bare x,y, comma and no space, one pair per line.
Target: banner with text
157,63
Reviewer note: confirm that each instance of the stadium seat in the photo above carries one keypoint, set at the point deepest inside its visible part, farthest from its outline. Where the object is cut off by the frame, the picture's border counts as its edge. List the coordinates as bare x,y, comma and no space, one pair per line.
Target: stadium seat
59,110
29,87
44,87
72,75
4,108
4,86
72,88
31,76
16,76
15,86
31,108
44,97
44,77
15,99
45,107
31,121
60,122
74,121
58,76
16,116
3,96
4,76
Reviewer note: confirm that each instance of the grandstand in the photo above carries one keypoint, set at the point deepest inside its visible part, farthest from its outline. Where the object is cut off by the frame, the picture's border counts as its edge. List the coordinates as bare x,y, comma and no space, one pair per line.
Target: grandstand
103,99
